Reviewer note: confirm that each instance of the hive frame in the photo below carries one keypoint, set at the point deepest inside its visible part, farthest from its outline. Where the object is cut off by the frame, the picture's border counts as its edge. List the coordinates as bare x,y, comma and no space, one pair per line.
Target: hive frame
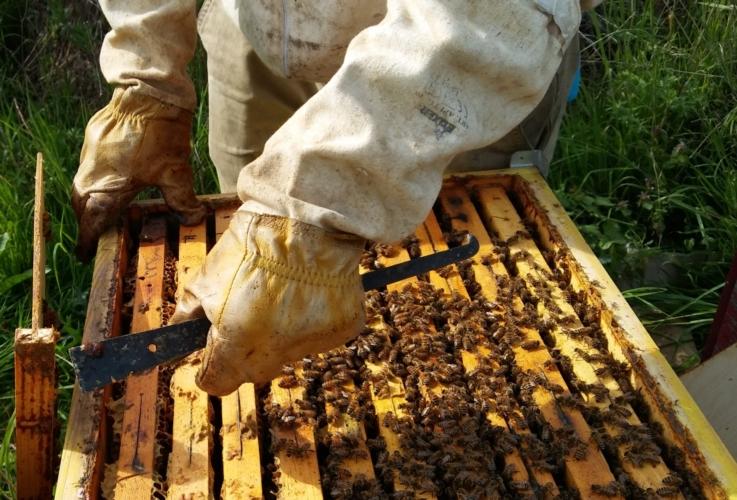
683,423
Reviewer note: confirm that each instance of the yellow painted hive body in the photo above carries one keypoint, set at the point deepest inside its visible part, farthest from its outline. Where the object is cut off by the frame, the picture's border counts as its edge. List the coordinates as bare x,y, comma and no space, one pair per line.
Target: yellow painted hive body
520,373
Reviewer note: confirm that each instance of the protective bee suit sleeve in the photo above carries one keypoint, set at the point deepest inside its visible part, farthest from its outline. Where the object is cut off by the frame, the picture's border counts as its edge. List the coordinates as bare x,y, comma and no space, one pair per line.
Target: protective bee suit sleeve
142,137
366,154
151,42
363,158
149,46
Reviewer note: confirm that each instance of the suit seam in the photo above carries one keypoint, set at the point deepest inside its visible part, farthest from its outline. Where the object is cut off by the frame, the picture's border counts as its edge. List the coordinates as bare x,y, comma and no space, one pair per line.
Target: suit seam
285,38
232,280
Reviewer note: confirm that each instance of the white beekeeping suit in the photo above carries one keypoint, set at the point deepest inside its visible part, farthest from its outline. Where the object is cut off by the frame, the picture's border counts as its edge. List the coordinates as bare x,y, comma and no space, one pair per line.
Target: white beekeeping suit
407,87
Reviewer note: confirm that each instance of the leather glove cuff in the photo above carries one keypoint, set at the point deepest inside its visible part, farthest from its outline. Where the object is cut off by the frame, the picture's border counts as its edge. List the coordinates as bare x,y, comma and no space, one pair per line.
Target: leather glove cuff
134,142
128,103
299,251
275,290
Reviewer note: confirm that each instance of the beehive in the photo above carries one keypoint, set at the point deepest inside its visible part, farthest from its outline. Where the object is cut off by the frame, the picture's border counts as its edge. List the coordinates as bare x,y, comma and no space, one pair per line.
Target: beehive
519,373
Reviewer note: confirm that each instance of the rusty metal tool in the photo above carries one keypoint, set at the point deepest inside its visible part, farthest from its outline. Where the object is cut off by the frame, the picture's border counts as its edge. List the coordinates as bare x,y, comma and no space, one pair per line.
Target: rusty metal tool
119,357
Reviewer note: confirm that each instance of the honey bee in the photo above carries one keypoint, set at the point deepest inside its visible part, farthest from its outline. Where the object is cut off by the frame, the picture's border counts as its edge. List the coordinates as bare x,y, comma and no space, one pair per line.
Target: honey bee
381,389
641,457
568,400
612,489
620,409
667,491
530,345
337,360
288,382
672,480
279,445
520,486
510,470
412,244
330,385
602,371
550,365
298,450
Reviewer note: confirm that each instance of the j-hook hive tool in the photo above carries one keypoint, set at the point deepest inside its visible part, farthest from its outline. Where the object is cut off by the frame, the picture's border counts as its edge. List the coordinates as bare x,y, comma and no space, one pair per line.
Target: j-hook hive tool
116,358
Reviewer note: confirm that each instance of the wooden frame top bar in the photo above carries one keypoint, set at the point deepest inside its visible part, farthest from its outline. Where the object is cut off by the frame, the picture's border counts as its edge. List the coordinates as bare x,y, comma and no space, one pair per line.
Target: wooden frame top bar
683,420
671,406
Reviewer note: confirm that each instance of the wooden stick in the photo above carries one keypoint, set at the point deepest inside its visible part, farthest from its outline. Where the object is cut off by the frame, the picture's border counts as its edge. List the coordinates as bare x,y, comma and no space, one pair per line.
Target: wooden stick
298,474
39,249
190,473
519,473
86,440
391,402
35,374
580,474
241,453
453,283
341,423
135,472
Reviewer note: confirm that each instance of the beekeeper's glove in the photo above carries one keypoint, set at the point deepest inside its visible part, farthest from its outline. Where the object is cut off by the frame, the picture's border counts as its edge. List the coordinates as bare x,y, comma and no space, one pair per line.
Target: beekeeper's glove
134,142
275,290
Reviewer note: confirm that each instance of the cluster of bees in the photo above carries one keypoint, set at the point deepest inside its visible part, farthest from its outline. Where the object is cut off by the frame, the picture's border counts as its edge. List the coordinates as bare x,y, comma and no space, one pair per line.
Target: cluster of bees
418,338
331,397
448,447
450,429
165,403
169,300
116,404
642,442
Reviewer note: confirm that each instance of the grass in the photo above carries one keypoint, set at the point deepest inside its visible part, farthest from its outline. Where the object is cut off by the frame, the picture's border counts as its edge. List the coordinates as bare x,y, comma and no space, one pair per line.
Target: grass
646,163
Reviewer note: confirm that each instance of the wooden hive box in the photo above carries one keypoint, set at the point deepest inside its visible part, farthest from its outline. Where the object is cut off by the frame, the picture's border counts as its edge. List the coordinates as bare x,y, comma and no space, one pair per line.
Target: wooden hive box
522,372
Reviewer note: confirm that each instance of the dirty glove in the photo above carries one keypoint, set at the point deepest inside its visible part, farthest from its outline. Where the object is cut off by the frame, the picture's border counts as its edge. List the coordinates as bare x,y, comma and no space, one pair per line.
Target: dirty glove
134,142
275,290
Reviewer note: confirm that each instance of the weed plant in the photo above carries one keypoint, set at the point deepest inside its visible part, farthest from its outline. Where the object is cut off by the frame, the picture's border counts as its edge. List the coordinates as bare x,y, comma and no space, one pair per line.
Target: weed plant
647,158
646,163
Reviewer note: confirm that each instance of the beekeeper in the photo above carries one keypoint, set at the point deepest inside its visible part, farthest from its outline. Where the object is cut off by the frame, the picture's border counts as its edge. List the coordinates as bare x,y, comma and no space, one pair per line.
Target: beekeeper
334,121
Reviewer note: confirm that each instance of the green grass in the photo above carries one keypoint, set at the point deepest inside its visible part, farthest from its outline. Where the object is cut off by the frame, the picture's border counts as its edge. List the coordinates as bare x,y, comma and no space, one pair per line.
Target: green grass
39,111
51,84
646,162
